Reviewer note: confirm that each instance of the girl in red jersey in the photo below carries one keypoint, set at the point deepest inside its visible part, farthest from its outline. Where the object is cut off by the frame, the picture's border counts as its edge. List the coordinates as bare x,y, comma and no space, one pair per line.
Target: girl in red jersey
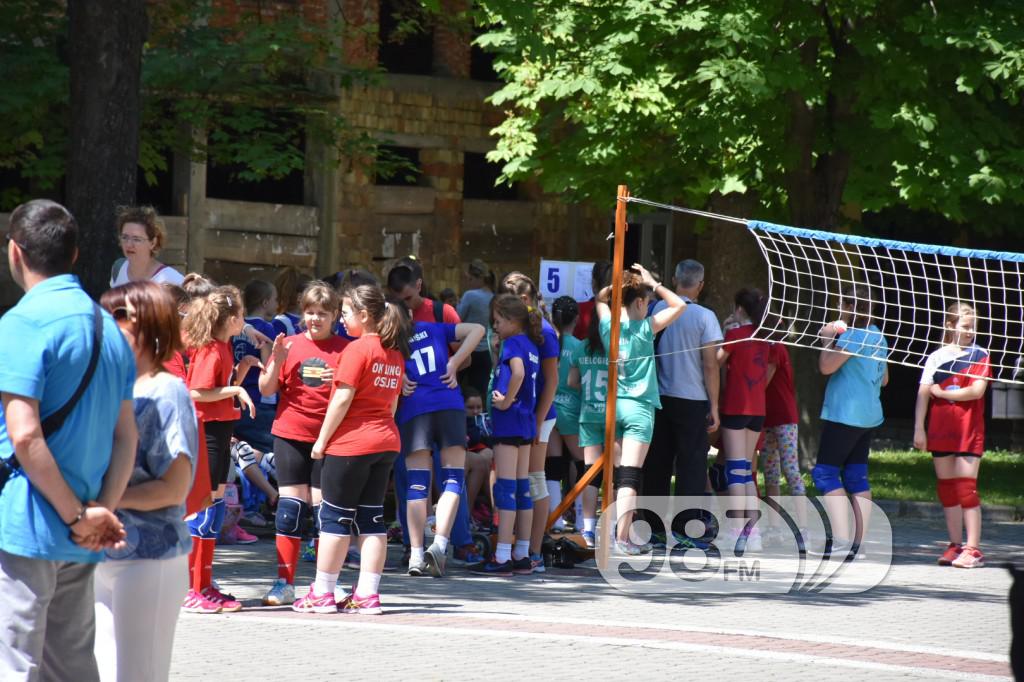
358,442
209,325
952,396
300,371
743,404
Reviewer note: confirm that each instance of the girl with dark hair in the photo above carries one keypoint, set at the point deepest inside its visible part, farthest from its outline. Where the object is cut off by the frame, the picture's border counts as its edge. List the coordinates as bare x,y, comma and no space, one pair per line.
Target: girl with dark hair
564,312
358,442
513,419
151,569
745,360
260,300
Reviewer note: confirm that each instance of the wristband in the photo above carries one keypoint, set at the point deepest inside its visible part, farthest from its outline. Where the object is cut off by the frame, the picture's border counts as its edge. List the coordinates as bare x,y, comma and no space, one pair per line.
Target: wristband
81,513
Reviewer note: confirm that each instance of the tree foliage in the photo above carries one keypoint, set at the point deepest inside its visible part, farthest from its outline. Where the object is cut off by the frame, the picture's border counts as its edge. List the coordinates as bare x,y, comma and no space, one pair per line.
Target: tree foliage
810,106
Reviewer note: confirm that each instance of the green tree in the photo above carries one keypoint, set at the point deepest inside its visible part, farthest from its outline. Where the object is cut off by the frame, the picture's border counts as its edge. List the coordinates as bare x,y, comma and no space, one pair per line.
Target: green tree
799,108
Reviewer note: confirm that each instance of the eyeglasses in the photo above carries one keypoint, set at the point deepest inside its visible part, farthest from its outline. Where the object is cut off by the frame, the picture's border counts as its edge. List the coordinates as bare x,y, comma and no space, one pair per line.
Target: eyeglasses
135,241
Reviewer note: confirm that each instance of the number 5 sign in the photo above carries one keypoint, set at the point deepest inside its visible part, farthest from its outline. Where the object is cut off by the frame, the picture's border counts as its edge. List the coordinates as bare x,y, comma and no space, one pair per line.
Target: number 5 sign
565,278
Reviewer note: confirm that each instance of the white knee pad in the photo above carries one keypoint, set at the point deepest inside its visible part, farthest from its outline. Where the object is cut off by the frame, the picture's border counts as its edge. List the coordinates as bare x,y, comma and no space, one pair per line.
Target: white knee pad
538,485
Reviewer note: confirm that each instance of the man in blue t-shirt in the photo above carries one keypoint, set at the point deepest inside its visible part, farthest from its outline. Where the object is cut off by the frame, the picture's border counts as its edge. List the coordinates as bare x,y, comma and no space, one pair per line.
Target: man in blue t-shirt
56,509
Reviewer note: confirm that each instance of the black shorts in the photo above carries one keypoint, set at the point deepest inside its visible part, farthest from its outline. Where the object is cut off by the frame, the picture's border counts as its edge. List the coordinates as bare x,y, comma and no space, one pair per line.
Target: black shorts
218,450
739,422
443,429
349,482
294,464
955,454
514,441
842,444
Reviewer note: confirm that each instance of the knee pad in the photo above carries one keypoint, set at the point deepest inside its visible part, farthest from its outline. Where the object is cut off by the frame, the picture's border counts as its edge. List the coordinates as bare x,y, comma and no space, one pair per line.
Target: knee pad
243,454
201,525
288,519
454,480
628,477
595,482
855,478
370,520
505,494
336,520
218,508
523,499
737,472
826,478
949,495
316,520
538,485
556,468
967,492
419,484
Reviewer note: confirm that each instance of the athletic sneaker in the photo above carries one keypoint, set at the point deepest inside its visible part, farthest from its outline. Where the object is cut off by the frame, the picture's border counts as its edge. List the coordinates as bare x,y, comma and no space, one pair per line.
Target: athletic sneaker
589,538
953,550
254,518
316,603
364,606
537,560
466,555
228,604
754,543
970,557
196,602
417,568
683,542
522,566
436,560
279,594
659,540
308,552
492,567
631,549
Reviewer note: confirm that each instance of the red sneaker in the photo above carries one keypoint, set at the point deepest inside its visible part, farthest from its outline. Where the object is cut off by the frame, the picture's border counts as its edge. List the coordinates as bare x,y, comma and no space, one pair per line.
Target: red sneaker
950,555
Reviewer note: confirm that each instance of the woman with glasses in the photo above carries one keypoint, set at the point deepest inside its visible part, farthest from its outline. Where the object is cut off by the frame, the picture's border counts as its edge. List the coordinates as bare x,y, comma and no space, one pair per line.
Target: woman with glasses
141,234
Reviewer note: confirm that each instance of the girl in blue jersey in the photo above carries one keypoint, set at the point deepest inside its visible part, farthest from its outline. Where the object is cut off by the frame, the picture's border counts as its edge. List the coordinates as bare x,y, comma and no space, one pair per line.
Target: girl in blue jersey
513,419
544,412
431,414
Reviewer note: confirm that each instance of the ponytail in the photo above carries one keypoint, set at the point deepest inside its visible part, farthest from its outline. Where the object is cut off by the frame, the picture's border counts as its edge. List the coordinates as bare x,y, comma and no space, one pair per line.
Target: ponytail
535,326
511,307
208,314
390,319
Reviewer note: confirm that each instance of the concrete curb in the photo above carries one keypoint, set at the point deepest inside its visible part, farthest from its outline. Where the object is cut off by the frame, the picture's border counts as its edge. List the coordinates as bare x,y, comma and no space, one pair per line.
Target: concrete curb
932,510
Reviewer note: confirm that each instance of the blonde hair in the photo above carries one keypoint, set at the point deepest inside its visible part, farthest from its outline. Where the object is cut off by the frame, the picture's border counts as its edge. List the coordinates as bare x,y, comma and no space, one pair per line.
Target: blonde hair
148,218
954,313
208,314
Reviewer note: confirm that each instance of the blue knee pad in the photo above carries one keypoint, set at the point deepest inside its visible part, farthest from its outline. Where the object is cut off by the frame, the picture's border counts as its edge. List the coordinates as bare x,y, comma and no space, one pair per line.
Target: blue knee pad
855,478
218,509
737,472
453,480
370,520
505,494
202,525
523,499
316,520
288,519
826,477
336,520
419,484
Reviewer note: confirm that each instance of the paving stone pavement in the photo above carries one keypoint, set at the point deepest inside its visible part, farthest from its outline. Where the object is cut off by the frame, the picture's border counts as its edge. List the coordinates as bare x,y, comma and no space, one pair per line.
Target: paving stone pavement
922,622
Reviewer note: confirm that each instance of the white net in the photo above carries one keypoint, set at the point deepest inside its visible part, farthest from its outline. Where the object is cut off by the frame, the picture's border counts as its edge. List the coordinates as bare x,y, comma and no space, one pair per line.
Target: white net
908,287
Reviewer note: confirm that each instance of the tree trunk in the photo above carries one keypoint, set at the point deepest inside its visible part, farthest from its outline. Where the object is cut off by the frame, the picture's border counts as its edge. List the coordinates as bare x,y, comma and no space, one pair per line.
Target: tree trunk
105,55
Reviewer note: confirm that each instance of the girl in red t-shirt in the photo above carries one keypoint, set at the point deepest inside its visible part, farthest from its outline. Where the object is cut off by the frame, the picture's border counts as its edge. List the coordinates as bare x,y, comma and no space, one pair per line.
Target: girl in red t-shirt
745,360
209,325
300,370
358,443
952,395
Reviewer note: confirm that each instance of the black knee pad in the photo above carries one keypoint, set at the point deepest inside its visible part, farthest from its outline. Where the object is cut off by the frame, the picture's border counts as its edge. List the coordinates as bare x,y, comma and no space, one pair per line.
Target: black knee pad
595,482
628,477
556,468
370,520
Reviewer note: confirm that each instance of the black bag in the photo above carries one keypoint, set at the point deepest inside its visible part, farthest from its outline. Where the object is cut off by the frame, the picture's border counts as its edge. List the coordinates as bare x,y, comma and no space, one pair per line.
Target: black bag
56,420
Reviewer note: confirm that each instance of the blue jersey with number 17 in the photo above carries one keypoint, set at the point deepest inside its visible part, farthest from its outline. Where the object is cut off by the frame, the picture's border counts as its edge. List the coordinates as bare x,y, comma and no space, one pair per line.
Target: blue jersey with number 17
427,363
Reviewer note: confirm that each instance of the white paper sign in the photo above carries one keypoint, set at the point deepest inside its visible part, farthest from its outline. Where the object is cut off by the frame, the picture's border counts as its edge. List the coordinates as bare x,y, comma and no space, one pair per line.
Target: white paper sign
565,278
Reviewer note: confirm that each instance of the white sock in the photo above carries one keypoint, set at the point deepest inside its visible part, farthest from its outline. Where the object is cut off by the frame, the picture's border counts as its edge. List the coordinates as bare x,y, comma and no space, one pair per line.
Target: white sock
589,525
442,542
503,553
415,555
325,582
521,550
369,583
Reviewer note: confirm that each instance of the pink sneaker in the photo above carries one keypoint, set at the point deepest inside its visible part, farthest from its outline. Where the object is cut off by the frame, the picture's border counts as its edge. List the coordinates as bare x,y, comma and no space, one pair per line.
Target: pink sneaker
970,557
953,550
226,603
365,606
315,603
236,535
196,602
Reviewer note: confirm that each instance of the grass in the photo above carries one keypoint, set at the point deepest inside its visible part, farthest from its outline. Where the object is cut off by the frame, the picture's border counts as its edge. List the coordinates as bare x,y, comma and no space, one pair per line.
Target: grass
909,475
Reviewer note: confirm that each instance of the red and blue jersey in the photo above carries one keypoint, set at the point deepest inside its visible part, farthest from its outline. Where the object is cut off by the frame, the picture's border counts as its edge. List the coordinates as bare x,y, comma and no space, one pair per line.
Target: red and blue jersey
427,363
241,346
956,426
520,418
549,348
